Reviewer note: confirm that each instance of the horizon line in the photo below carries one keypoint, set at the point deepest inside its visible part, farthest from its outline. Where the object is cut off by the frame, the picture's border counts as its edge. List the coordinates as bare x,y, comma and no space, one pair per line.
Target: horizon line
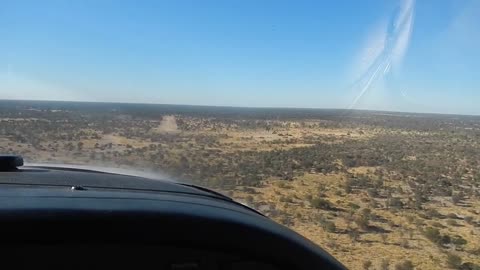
238,107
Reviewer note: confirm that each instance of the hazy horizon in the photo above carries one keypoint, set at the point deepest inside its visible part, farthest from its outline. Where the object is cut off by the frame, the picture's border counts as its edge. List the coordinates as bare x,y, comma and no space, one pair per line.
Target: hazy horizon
239,107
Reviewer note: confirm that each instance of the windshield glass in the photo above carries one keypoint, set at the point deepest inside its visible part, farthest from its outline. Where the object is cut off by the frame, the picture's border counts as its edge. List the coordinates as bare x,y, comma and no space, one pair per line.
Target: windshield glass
354,123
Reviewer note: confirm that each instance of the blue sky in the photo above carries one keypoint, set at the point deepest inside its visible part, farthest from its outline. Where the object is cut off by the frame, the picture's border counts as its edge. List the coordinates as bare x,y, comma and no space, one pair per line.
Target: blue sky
420,56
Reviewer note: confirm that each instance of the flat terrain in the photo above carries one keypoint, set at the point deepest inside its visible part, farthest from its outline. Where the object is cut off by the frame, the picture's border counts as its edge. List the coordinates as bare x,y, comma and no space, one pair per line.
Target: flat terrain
377,190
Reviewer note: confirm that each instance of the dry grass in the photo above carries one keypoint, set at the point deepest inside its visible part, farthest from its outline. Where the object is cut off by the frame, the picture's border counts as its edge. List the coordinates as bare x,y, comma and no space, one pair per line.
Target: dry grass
423,253
393,237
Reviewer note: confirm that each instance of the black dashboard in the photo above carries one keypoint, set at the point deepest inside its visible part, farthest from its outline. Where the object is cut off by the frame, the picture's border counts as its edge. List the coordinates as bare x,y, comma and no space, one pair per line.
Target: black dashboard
59,218
128,256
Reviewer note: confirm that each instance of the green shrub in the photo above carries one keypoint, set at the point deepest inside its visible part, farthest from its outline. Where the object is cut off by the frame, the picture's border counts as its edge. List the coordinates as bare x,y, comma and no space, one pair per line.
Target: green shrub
367,212
405,265
384,264
432,213
437,225
362,222
287,199
320,203
454,261
433,234
367,265
469,266
475,251
452,222
353,206
445,239
452,216
348,185
404,243
353,234
458,240
395,203
330,227
456,198
372,192
469,219
410,219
